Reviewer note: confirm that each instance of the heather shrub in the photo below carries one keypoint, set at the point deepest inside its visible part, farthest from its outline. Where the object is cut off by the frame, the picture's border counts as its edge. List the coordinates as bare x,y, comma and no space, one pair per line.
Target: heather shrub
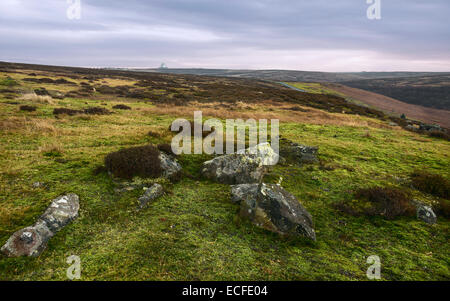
28,108
443,208
70,112
433,184
379,201
121,107
96,111
141,161
166,148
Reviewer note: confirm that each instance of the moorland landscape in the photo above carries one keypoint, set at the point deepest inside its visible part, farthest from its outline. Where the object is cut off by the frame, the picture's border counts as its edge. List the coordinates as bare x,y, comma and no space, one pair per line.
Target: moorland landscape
80,160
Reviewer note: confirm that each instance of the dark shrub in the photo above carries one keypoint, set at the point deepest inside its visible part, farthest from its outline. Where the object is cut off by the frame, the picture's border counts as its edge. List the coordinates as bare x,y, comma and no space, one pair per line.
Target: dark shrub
384,201
96,111
433,184
28,108
166,148
41,92
443,208
439,134
139,161
154,134
89,111
70,112
121,107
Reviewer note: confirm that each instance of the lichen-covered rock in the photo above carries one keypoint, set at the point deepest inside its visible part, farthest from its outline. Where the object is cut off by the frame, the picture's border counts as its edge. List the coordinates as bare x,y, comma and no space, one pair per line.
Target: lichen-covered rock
426,214
298,153
247,166
169,165
243,192
271,207
31,241
151,194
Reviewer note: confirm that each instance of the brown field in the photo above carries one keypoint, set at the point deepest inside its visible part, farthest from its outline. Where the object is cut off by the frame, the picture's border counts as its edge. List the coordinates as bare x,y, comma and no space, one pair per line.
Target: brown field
391,105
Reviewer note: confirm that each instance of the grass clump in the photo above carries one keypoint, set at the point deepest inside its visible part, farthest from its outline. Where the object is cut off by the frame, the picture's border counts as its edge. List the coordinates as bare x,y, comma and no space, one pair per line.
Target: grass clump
141,161
8,82
33,97
433,184
379,201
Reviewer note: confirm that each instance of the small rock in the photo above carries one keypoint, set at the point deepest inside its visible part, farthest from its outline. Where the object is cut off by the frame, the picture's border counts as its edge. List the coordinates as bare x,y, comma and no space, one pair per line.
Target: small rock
38,184
151,194
169,165
31,241
426,214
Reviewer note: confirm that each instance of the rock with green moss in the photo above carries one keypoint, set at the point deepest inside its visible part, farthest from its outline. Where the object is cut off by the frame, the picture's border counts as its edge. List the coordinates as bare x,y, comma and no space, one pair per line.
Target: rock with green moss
31,241
271,207
425,213
298,153
248,166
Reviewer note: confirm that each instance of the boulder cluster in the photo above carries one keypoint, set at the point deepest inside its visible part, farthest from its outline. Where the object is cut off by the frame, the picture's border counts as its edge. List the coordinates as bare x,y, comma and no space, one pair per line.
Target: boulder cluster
268,206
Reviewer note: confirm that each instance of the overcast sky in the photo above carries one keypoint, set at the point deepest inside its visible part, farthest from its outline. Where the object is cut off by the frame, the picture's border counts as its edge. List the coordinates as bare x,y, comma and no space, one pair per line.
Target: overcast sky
319,35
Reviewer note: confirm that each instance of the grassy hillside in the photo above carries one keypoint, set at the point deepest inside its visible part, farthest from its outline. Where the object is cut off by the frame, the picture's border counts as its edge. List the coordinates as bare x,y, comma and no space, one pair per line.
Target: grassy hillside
193,232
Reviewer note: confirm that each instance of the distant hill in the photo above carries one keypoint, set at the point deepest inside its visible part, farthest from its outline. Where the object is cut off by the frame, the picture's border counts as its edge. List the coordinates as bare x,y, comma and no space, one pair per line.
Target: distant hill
292,75
429,91
393,106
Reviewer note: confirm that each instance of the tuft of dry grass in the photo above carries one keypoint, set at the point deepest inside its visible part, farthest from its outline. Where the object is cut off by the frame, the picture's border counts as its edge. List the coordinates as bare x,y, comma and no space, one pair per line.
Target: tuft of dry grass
52,150
27,125
33,97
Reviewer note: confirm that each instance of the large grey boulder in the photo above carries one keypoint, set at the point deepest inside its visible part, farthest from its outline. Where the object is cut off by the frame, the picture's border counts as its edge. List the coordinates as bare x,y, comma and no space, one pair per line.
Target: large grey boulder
246,166
31,241
271,207
150,195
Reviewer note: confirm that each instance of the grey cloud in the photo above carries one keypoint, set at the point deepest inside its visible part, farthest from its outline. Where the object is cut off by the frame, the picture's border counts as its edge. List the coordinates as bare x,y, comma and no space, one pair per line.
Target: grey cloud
213,33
